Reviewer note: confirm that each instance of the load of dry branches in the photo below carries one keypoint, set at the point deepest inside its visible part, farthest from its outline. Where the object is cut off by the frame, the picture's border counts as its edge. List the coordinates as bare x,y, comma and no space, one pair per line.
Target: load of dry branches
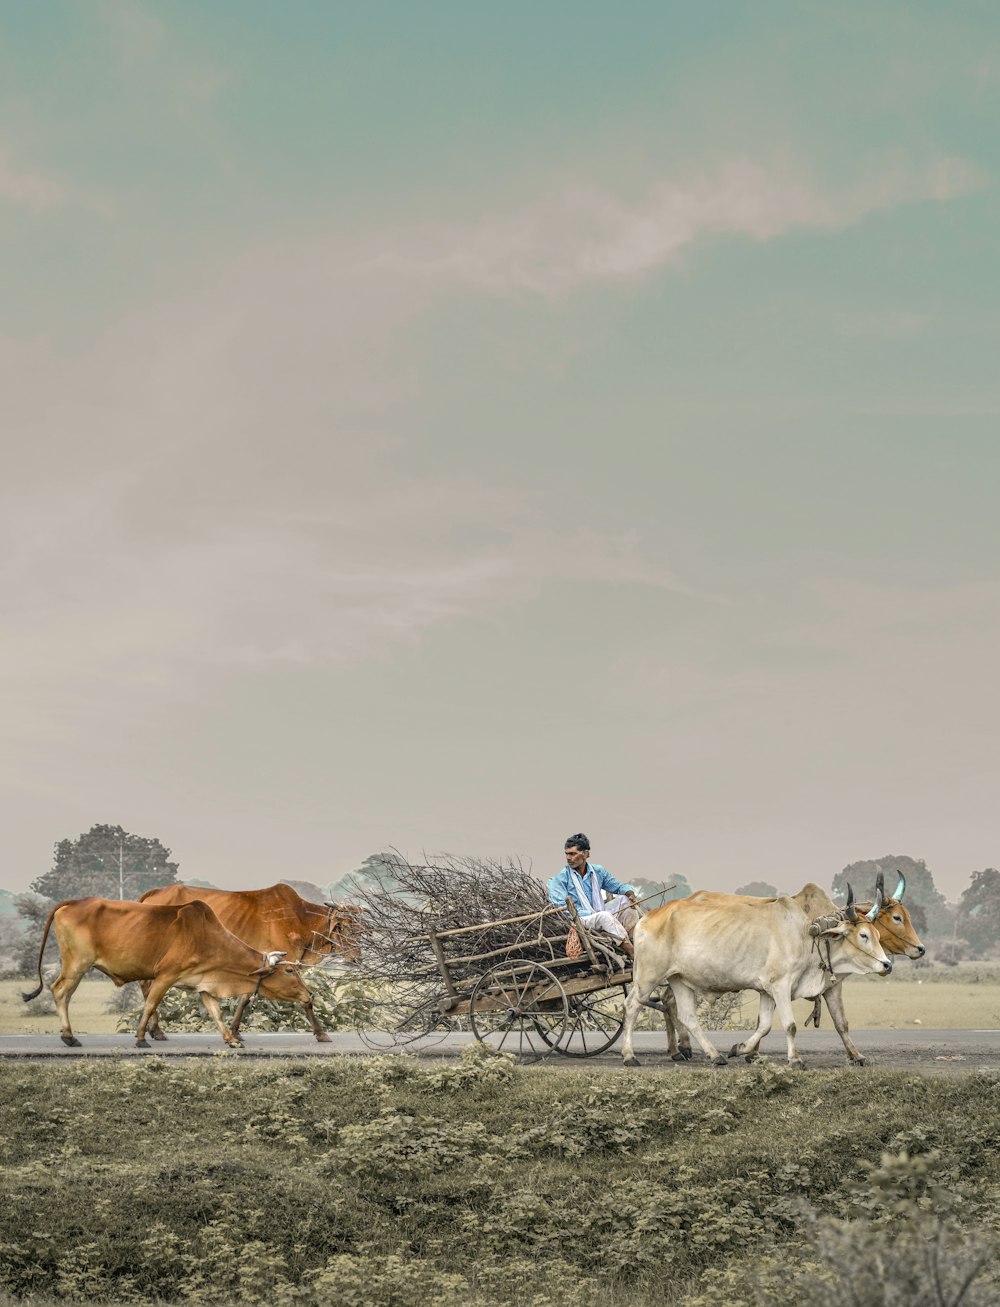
410,907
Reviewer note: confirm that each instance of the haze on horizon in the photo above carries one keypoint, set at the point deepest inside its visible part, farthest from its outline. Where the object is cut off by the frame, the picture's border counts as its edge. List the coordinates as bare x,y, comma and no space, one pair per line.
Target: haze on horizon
451,428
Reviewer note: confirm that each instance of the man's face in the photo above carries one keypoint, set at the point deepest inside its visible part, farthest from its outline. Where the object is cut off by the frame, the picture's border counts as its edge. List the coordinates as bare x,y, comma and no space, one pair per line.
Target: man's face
576,858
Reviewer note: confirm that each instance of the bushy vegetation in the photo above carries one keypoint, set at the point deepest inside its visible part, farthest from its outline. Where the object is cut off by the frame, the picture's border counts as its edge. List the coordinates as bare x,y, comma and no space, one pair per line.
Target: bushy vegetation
392,1181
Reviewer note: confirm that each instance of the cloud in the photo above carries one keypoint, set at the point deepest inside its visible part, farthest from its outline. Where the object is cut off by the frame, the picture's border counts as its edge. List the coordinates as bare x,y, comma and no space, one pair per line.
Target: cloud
583,234
40,192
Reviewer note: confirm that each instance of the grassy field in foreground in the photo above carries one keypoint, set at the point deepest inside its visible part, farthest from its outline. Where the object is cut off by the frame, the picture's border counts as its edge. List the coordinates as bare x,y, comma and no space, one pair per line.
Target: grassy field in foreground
387,1183
894,1003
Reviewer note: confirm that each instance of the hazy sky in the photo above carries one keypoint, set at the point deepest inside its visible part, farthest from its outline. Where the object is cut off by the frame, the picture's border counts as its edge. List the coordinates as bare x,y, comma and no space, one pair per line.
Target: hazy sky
451,426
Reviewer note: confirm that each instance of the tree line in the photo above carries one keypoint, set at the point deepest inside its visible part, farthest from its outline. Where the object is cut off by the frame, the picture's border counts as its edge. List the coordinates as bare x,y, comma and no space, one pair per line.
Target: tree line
110,862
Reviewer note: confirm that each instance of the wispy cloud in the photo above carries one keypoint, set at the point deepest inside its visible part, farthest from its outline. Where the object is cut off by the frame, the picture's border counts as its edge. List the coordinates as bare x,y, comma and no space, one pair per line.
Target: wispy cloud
39,191
583,234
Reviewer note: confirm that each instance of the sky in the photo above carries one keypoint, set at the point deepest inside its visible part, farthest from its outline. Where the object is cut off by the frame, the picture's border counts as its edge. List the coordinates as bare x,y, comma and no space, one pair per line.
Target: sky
450,427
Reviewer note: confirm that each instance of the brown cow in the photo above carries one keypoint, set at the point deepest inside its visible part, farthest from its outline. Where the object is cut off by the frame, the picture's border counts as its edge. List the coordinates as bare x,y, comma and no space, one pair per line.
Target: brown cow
273,919
161,946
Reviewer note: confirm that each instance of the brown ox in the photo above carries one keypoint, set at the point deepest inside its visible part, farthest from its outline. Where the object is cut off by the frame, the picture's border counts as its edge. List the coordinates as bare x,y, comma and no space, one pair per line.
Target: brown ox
161,946
896,933
273,919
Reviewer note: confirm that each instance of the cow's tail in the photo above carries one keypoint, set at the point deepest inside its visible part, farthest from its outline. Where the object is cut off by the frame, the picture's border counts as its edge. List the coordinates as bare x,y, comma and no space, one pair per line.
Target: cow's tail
41,953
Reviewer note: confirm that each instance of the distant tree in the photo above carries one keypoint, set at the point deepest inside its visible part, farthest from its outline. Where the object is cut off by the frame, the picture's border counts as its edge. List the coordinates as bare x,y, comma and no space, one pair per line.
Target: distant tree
979,912
921,892
674,887
32,913
378,871
108,862
759,889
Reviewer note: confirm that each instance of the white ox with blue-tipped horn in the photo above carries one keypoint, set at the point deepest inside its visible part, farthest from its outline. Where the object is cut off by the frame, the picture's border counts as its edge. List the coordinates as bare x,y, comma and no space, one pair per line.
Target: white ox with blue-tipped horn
711,944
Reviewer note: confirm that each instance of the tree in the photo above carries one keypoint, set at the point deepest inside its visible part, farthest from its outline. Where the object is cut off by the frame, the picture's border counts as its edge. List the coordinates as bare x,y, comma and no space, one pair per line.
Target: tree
979,912
921,892
674,887
759,889
108,862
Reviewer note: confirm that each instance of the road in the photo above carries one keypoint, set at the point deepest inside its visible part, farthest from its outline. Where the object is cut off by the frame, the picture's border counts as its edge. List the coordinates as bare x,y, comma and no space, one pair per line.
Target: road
925,1051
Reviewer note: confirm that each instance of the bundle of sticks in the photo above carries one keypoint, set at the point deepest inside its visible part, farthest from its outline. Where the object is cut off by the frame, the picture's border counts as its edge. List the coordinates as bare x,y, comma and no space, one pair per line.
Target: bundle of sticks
496,903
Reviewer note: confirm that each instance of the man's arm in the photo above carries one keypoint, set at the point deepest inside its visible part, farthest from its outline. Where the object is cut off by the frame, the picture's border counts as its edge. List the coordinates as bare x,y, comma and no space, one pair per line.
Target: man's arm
608,882
558,890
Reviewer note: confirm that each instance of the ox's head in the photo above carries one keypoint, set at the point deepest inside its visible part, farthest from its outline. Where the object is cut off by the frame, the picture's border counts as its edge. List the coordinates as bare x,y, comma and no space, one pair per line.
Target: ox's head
281,979
346,929
854,942
893,921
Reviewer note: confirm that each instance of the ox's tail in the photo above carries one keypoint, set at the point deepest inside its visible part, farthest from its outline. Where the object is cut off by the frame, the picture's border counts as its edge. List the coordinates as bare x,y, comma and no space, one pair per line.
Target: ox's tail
41,953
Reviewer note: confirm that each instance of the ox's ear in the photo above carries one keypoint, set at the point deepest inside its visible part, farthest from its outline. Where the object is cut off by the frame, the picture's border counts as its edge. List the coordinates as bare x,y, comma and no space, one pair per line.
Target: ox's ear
850,911
900,888
835,931
877,906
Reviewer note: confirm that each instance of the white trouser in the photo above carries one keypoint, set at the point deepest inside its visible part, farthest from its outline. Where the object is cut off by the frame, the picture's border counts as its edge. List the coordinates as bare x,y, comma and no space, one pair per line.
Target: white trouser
618,918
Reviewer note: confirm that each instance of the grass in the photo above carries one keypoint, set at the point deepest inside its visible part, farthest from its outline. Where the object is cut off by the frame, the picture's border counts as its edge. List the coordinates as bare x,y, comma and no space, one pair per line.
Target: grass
387,1183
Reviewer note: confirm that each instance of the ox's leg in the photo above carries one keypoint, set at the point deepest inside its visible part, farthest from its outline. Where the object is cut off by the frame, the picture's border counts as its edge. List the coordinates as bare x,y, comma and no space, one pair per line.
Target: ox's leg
765,1018
321,1036
155,1031
154,992
63,989
644,983
241,1006
215,1012
783,1004
835,1002
682,1036
687,1010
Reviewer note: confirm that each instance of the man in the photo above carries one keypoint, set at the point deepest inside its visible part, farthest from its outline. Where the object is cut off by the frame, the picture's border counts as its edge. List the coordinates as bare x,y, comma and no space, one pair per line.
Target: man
583,882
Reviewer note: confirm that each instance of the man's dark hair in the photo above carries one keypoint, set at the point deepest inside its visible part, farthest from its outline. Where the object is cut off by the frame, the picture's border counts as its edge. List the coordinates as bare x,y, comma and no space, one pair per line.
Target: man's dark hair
579,841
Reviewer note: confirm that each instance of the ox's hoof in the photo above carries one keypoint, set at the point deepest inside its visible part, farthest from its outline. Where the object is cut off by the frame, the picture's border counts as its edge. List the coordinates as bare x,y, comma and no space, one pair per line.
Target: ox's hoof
720,1061
158,1035
70,1041
685,1052
141,1043
796,1064
679,1056
736,1050
323,1038
856,1061
631,1061
751,1058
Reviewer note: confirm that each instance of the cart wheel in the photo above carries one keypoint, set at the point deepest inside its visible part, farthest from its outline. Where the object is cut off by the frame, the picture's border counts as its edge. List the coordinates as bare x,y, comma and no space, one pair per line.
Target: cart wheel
519,1008
595,1023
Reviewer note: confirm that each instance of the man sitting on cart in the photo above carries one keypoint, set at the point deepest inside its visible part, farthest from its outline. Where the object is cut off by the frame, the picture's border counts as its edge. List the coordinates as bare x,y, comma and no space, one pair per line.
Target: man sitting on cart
584,883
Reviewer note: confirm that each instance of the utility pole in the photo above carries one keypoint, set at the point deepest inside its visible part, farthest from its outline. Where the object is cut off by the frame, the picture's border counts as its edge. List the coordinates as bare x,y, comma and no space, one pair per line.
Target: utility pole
121,873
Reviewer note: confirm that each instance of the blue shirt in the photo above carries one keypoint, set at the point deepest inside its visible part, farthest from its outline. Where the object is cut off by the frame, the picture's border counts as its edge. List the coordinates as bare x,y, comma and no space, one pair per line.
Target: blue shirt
568,884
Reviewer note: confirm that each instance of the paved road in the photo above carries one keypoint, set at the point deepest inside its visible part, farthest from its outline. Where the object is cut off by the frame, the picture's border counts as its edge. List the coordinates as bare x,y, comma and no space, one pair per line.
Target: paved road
935,1051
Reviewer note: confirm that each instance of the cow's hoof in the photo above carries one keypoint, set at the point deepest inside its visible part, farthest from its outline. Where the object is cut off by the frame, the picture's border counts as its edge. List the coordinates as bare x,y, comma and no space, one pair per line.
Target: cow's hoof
323,1038
736,1050
751,1058
631,1061
796,1064
70,1041
158,1035
686,1053
856,1061
678,1057
141,1043
720,1061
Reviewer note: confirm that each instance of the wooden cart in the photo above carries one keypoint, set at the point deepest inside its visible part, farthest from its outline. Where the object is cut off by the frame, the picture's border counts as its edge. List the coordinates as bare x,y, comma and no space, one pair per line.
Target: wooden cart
526,1006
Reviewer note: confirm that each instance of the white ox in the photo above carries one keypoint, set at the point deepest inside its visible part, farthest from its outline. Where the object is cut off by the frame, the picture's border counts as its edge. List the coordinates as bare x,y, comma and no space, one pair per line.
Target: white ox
726,943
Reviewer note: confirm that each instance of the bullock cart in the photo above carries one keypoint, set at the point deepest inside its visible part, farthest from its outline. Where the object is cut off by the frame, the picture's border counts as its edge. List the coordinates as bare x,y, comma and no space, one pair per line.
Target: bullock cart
526,997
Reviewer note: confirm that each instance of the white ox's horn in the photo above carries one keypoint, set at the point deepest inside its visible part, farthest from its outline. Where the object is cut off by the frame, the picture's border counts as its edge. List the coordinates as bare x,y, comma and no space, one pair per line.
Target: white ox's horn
901,887
877,906
274,958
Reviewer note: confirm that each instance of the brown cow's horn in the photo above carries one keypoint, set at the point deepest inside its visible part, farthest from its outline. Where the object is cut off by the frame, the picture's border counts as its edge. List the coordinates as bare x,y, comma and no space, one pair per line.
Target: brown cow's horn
877,906
851,914
880,882
901,887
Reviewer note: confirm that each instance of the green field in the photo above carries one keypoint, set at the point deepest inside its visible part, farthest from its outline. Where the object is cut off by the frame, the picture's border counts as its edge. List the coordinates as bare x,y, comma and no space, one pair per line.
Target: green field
388,1183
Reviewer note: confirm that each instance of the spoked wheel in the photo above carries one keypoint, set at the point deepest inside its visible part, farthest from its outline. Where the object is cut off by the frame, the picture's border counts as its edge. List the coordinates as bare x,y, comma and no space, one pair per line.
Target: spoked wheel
519,1008
595,1023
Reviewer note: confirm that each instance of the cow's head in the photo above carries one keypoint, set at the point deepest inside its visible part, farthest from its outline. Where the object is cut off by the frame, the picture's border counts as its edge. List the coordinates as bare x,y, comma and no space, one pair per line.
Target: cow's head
855,944
893,921
281,979
345,930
